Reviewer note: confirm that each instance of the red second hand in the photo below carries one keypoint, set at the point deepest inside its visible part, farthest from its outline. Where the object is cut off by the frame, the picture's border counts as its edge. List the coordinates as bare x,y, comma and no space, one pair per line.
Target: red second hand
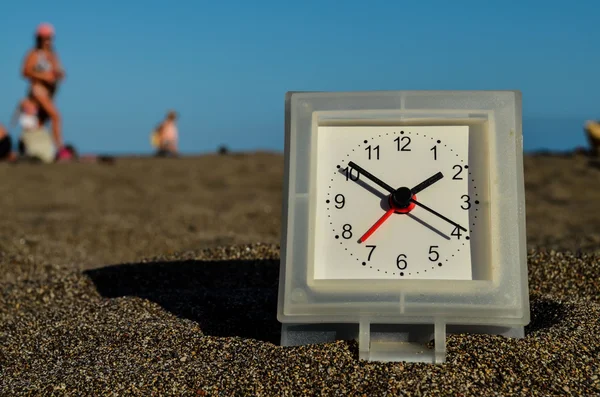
376,225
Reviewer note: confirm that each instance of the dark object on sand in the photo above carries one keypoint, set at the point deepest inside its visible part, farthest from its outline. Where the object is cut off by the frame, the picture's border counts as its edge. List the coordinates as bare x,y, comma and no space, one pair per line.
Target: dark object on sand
165,153
223,150
5,147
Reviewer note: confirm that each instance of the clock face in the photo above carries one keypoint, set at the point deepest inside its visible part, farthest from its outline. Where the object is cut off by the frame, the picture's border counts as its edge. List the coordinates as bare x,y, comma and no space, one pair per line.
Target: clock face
394,203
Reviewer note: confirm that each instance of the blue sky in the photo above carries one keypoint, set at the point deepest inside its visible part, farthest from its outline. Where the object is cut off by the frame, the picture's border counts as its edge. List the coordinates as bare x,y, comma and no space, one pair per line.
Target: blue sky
226,65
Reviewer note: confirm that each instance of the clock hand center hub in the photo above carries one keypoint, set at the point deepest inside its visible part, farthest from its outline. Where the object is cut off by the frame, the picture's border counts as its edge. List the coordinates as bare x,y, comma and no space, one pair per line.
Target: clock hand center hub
400,200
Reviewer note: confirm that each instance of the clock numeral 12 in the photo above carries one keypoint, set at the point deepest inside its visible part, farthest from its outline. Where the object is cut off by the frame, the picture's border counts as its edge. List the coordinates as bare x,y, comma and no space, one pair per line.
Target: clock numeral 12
375,149
403,149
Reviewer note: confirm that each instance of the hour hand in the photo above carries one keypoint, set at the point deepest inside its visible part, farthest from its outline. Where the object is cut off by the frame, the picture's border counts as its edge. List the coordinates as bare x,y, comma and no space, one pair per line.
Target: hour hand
371,177
426,183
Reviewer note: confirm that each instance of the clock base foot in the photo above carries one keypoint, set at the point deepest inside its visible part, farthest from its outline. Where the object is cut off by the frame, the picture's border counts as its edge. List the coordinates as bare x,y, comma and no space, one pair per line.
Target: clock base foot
390,342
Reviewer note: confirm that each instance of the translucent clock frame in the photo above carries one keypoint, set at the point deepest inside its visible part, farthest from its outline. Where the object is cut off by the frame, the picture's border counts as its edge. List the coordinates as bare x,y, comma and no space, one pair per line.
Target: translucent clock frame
398,319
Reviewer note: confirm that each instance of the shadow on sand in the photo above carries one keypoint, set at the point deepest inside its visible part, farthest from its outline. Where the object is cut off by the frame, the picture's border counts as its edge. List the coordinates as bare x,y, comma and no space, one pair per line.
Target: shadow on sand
226,298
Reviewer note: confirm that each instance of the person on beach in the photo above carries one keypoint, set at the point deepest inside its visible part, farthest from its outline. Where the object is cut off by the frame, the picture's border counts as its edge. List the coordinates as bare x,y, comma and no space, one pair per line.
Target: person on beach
44,71
592,130
165,136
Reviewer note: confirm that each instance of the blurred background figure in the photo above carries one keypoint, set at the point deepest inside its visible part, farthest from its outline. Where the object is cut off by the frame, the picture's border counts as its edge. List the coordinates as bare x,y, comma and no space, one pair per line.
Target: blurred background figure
44,71
6,152
592,130
165,137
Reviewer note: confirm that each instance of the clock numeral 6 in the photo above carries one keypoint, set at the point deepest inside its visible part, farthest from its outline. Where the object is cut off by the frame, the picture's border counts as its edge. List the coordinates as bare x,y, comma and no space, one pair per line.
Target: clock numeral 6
371,252
341,200
401,262
433,251
347,233
349,172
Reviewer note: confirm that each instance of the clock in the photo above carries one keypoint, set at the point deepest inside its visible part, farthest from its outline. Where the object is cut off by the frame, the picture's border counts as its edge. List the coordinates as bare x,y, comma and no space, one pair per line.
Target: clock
403,220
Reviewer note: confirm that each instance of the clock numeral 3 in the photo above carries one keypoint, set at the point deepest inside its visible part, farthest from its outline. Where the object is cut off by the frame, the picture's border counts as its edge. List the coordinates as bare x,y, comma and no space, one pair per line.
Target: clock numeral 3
401,262
349,172
404,138
347,233
341,200
456,176
375,149
433,251
467,202
371,252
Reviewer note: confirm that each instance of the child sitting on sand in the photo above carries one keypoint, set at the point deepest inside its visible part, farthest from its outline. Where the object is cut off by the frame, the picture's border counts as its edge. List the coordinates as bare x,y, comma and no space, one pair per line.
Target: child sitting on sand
35,141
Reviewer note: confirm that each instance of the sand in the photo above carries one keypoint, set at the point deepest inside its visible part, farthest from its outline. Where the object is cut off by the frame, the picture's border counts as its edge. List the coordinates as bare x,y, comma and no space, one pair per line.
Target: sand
159,277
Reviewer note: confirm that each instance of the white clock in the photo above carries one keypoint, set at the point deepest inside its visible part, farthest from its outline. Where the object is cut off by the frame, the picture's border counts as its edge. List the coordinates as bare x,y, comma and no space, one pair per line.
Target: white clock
404,220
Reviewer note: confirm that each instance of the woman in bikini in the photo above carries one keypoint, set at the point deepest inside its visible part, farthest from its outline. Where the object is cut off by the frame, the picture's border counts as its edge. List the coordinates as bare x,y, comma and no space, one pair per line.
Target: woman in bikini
44,71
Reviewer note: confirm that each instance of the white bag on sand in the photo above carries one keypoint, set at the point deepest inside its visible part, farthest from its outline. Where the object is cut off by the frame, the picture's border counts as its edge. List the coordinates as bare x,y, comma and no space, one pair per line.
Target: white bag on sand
38,144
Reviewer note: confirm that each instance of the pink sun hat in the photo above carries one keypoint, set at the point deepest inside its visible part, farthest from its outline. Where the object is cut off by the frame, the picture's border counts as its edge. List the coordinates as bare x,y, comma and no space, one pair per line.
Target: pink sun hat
45,30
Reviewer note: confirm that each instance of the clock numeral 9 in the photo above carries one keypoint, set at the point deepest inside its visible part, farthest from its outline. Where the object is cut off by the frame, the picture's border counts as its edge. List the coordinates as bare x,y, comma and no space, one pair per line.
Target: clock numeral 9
436,254
467,202
456,176
401,262
375,149
341,200
371,252
347,233
349,172
403,148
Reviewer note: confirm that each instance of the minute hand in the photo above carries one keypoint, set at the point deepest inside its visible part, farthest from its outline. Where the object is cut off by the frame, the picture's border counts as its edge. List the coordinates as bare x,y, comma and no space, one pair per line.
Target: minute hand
438,214
372,177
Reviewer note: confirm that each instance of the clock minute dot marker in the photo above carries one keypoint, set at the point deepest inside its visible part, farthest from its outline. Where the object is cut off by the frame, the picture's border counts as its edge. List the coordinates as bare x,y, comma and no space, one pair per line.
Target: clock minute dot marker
468,238
476,201
338,166
402,132
336,236
402,274
440,264
364,263
366,141
327,201
466,166
439,141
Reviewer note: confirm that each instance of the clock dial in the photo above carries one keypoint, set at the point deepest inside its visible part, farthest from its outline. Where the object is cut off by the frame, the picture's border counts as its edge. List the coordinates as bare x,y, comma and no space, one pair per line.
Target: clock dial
394,203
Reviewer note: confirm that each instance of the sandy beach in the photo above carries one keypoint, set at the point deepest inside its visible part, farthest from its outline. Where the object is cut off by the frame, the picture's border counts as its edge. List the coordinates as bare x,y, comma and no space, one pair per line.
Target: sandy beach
159,277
